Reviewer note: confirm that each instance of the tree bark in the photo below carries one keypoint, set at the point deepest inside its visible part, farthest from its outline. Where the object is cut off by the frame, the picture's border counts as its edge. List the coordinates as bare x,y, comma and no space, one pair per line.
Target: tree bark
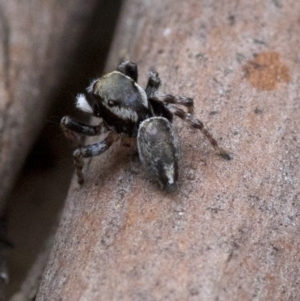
231,230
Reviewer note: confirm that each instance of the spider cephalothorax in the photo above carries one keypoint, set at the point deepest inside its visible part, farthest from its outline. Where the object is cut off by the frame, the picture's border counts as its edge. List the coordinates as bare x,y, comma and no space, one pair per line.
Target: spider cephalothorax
129,111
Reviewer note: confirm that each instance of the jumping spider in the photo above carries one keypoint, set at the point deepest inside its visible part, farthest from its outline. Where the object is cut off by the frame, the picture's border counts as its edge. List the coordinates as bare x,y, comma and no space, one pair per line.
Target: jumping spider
129,111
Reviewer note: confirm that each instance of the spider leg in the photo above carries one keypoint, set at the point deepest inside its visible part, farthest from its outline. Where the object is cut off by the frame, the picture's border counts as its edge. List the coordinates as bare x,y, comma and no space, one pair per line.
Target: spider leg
129,68
175,99
91,151
153,83
197,124
152,92
71,126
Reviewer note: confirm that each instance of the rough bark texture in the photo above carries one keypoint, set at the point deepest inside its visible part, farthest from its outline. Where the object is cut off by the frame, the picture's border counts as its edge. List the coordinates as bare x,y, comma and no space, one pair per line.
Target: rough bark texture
36,40
231,230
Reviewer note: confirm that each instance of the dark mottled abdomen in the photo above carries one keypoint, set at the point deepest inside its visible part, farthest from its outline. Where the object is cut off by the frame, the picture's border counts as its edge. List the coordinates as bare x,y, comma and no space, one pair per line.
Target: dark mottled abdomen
159,150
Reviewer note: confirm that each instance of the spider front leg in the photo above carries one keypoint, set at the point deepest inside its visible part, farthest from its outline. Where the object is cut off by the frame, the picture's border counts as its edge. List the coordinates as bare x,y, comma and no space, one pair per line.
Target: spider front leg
129,68
197,124
71,126
91,151
152,93
153,83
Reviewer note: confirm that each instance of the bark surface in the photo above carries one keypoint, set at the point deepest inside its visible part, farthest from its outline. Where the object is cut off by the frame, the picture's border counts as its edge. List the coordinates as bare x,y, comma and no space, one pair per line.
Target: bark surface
231,230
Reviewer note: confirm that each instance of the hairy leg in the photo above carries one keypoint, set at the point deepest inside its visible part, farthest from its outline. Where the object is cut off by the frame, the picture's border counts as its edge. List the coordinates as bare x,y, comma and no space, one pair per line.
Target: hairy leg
197,124
175,99
153,83
91,151
129,68
71,126
152,93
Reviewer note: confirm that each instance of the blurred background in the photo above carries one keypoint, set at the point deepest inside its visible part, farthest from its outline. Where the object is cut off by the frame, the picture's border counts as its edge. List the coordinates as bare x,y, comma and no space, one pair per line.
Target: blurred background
32,209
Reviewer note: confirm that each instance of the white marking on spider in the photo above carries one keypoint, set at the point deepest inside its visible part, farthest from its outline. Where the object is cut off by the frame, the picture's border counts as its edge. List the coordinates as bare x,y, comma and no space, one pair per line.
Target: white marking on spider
89,89
124,113
170,172
143,95
82,104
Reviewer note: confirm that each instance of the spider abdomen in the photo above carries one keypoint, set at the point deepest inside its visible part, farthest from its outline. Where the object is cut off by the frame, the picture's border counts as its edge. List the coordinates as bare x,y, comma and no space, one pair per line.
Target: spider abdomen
159,150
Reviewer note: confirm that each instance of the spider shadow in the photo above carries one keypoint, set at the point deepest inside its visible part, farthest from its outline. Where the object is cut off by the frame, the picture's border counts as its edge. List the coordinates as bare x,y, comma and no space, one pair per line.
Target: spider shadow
119,164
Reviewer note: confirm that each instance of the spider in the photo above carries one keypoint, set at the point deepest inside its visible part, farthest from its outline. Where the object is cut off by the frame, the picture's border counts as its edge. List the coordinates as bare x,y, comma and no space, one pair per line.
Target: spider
129,111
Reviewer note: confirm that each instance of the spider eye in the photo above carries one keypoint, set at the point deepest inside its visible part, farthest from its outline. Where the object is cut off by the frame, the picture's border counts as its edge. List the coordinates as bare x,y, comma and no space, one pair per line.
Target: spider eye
112,103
